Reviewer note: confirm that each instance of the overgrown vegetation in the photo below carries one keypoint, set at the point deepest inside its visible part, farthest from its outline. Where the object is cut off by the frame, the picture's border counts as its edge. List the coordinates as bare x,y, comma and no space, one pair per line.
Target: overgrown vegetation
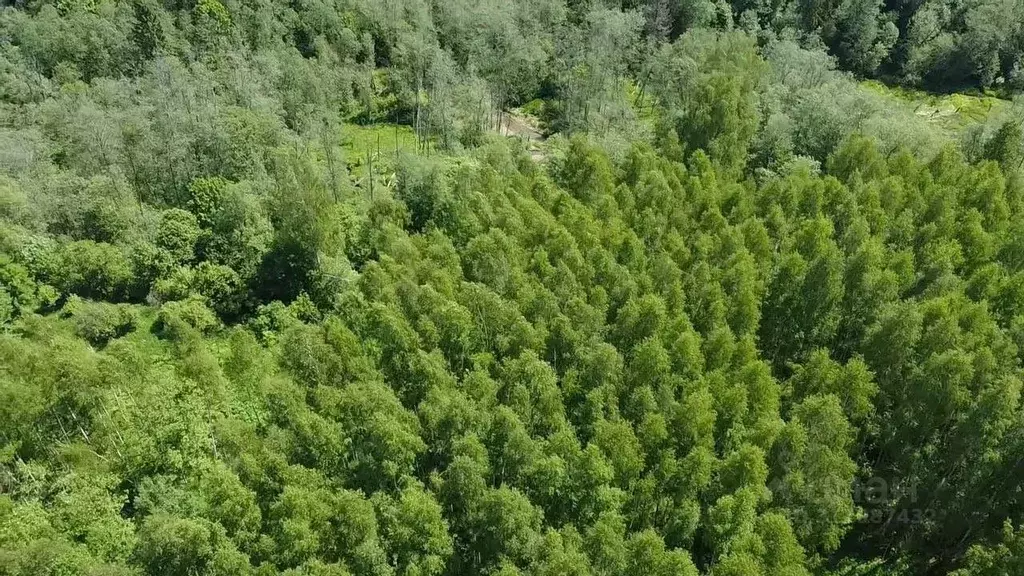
277,297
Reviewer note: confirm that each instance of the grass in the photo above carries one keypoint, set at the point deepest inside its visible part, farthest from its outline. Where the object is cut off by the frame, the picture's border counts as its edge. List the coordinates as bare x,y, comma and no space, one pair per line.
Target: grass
383,143
379,141
951,112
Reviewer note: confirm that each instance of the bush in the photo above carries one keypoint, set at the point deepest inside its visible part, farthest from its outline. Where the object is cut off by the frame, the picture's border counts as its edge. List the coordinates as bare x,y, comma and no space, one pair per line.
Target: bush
100,322
177,318
6,306
178,234
91,270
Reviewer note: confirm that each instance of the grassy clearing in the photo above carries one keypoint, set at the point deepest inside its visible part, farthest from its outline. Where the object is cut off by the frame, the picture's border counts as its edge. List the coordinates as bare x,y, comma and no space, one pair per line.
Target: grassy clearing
951,112
380,141
384,143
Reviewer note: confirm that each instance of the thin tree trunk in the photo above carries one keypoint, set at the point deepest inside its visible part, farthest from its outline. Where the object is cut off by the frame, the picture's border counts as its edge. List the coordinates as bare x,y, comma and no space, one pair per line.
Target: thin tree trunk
369,168
329,156
419,81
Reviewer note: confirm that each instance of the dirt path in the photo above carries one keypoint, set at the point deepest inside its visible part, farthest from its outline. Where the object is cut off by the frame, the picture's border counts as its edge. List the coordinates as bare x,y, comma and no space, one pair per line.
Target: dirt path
517,124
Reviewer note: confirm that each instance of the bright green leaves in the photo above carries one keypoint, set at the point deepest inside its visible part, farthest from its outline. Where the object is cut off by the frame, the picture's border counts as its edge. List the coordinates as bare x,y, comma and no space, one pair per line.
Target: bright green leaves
415,532
707,83
853,383
177,235
1003,557
802,308
383,437
769,547
170,545
585,172
99,322
314,522
91,270
622,449
616,360
88,509
814,473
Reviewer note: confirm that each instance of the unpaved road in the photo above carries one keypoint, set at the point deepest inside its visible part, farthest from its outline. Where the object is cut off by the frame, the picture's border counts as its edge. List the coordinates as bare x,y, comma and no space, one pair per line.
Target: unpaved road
526,127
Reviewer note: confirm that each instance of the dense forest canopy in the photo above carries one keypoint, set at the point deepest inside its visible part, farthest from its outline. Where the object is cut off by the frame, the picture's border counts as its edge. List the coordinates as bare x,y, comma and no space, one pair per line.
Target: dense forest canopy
279,295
